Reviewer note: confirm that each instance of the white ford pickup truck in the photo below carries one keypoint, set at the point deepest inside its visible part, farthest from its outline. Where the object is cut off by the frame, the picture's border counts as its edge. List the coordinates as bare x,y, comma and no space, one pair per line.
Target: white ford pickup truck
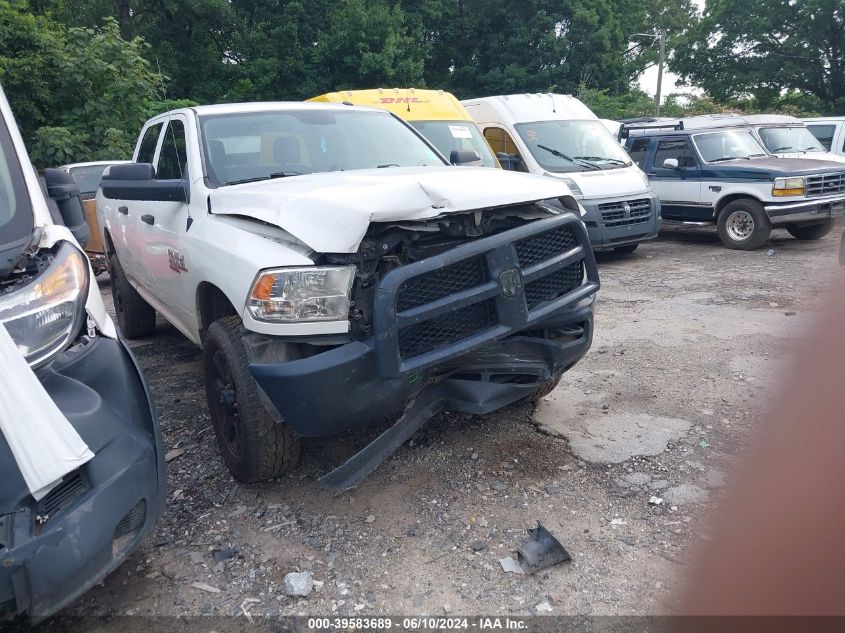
337,272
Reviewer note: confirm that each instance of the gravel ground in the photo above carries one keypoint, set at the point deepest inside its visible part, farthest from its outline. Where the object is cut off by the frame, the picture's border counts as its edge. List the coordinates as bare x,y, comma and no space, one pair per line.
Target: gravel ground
688,340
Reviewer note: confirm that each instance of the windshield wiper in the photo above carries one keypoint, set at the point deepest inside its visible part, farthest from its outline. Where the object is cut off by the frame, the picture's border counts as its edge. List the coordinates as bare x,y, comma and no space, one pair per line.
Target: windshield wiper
386,165
574,161
607,159
755,155
785,148
723,158
276,174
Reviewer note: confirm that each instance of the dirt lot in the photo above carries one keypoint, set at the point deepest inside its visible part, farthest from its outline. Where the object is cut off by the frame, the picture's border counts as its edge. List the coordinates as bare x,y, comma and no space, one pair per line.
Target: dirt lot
687,341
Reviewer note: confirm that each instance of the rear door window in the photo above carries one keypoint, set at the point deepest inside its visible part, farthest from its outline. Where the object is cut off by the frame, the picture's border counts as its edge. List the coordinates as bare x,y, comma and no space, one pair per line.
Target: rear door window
173,158
147,150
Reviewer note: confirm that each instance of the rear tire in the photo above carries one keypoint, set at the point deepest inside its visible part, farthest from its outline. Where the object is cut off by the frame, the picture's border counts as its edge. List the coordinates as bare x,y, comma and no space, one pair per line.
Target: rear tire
253,444
135,317
627,248
743,225
811,232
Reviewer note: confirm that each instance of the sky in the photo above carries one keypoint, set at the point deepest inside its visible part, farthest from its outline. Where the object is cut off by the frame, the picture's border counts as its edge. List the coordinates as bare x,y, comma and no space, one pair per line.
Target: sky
648,80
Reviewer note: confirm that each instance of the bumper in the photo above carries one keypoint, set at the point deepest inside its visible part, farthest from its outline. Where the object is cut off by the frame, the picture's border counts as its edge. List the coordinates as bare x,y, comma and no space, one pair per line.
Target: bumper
805,211
609,227
523,344
99,514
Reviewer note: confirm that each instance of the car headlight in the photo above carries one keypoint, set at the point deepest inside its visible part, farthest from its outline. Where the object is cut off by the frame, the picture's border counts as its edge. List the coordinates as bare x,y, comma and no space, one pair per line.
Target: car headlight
313,293
47,314
573,186
793,186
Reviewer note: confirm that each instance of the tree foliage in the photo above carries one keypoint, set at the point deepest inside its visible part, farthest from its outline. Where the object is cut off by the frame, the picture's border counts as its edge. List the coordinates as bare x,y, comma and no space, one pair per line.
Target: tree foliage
762,49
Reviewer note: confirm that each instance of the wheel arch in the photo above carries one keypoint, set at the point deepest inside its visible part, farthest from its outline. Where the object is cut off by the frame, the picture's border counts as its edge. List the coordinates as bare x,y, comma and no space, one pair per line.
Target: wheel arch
212,304
733,197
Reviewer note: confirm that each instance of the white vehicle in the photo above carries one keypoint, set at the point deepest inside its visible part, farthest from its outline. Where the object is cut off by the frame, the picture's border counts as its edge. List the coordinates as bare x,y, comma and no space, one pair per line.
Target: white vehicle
81,462
830,131
337,271
558,136
783,136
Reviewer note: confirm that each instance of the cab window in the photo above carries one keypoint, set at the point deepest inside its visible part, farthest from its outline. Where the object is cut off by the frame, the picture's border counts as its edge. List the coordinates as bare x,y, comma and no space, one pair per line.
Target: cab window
638,149
677,149
147,150
502,143
173,159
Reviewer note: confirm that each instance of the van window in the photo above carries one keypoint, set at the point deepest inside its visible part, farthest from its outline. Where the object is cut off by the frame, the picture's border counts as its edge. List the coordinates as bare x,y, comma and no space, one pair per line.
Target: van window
638,149
824,133
147,151
565,146
173,159
502,143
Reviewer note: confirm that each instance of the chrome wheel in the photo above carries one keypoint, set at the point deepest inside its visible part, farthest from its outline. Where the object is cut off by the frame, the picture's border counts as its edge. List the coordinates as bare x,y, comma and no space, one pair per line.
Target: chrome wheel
740,226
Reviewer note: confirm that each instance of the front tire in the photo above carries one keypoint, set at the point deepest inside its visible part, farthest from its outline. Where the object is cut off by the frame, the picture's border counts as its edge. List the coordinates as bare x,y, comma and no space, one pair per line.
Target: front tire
135,317
743,225
811,232
546,388
253,444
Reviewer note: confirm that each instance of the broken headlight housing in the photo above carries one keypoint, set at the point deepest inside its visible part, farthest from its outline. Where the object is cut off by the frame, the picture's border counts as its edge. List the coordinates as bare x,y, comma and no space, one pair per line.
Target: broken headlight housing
46,314
312,293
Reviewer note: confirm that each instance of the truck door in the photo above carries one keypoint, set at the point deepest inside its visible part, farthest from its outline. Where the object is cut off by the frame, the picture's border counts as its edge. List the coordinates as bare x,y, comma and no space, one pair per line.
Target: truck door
163,224
675,176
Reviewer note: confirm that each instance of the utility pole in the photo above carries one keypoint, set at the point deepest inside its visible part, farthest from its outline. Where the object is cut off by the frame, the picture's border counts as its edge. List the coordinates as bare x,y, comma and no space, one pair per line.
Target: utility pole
660,72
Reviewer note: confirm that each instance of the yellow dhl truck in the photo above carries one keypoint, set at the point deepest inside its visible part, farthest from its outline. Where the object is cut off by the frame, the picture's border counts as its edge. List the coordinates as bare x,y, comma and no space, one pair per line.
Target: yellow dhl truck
435,114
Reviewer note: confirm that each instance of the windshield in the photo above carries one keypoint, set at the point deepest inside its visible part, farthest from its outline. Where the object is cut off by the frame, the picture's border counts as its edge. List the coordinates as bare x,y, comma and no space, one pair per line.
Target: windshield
88,178
789,139
451,135
260,145
562,146
16,219
728,145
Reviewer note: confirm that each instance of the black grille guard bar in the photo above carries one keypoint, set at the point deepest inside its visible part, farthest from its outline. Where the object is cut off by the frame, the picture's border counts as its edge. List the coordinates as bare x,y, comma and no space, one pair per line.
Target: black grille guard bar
513,315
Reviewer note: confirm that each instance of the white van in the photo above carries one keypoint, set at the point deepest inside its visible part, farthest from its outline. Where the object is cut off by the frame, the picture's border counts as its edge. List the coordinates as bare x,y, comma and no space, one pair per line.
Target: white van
830,131
558,136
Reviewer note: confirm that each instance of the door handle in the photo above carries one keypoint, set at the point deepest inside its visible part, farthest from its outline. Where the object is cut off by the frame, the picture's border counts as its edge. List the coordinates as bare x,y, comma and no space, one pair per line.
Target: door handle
148,219
123,210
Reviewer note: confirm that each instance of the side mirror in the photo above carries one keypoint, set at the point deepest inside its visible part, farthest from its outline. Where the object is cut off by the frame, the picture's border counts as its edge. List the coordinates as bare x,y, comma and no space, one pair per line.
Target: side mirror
511,162
464,157
670,163
62,188
137,181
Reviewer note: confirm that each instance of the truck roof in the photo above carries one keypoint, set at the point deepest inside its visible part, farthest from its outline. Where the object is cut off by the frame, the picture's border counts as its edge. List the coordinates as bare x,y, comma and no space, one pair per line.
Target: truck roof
411,104
669,131
530,107
824,119
728,119
258,106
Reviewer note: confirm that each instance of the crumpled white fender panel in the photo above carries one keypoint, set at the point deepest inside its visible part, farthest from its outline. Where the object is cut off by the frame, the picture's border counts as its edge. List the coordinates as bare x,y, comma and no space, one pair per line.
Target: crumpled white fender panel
45,444
330,212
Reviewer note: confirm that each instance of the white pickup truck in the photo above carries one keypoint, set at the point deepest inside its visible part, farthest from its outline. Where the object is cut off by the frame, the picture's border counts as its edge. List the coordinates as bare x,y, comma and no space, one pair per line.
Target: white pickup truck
337,272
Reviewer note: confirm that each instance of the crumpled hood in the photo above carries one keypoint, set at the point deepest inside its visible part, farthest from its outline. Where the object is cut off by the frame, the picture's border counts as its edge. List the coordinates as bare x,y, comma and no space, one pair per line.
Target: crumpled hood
330,212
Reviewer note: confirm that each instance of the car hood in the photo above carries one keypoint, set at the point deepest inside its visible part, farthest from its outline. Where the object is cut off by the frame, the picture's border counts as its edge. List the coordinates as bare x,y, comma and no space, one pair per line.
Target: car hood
773,166
330,212
814,156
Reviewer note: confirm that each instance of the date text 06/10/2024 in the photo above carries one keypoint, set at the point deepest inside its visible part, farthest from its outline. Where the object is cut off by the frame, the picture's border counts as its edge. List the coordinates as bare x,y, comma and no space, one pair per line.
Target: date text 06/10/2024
417,623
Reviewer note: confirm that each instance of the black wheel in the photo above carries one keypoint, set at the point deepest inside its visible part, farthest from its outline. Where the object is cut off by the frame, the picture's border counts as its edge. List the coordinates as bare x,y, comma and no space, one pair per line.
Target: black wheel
627,248
811,232
254,446
743,225
545,389
135,317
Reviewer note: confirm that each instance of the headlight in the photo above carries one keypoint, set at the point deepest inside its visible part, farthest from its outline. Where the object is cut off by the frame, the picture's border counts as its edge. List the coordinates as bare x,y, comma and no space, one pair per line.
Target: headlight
573,186
793,186
45,315
313,293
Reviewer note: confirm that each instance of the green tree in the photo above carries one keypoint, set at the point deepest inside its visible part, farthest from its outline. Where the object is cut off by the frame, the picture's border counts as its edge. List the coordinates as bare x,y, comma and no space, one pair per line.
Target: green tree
764,48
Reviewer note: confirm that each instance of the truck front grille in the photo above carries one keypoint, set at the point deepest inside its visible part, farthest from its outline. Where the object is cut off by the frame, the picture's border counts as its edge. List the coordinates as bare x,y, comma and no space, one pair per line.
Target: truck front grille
626,212
483,290
825,184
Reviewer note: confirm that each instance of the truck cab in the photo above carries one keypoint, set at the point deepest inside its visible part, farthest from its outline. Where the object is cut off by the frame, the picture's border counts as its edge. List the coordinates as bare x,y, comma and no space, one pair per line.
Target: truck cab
725,176
320,248
830,132
435,114
557,136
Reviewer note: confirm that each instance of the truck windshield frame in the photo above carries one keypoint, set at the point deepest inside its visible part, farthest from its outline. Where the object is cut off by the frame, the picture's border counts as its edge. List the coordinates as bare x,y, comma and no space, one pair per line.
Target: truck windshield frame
16,219
250,146
451,135
586,142
716,149
789,138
